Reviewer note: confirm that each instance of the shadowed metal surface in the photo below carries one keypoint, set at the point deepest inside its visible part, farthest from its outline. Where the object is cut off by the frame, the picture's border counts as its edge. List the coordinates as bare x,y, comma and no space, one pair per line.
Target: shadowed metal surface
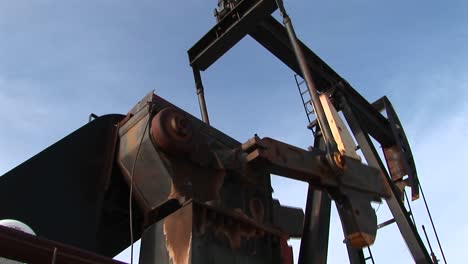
63,192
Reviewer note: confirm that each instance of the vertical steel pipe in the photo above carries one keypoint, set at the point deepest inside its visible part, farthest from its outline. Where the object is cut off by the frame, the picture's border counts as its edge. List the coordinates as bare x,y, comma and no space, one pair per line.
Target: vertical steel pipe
319,112
201,95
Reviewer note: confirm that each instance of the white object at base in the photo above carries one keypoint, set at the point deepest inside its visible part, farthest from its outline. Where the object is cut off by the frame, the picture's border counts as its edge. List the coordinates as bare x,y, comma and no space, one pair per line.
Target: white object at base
15,224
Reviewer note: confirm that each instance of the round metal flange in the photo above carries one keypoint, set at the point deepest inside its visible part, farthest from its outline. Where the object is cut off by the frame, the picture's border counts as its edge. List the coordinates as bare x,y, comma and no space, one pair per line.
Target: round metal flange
172,131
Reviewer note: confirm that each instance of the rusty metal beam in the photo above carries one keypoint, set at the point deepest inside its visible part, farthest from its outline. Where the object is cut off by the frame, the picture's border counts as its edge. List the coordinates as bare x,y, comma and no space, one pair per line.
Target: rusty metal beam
311,166
353,190
282,159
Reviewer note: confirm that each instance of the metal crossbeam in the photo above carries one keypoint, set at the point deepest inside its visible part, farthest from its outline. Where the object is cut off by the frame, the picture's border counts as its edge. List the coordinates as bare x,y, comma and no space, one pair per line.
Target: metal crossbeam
228,31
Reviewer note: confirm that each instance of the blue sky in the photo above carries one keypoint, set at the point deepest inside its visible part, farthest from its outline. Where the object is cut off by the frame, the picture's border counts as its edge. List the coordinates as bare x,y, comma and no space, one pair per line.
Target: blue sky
61,60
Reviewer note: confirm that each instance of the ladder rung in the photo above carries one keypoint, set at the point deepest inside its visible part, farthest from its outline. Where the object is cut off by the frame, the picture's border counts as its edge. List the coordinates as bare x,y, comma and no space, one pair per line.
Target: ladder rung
370,256
386,223
311,111
312,124
306,102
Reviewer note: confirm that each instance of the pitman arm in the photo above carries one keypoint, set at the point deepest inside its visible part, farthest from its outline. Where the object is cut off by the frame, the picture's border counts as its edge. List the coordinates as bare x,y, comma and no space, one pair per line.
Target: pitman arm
353,190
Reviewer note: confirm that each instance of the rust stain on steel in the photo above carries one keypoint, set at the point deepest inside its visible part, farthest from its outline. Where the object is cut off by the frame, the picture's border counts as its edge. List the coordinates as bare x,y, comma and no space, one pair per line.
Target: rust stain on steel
360,240
395,162
199,219
177,230
224,226
150,177
396,167
233,225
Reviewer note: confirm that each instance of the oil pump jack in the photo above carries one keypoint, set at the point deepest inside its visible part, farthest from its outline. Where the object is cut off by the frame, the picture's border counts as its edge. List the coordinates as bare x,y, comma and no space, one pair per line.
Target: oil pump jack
199,196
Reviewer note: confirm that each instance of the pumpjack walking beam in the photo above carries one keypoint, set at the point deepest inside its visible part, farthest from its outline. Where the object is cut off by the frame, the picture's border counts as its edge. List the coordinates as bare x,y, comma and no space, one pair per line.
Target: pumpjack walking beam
253,17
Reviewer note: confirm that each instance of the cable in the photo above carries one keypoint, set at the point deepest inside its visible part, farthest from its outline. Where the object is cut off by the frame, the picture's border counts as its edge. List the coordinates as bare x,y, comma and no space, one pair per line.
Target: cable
432,223
433,256
130,203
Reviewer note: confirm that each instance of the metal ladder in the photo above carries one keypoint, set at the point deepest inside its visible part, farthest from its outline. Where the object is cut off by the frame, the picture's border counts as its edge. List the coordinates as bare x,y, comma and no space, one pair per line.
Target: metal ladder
370,257
306,98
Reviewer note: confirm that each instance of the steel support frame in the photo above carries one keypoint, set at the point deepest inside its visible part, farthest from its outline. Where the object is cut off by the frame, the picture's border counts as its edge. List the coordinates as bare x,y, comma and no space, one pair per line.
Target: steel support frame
315,235
407,228
316,229
228,31
254,18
